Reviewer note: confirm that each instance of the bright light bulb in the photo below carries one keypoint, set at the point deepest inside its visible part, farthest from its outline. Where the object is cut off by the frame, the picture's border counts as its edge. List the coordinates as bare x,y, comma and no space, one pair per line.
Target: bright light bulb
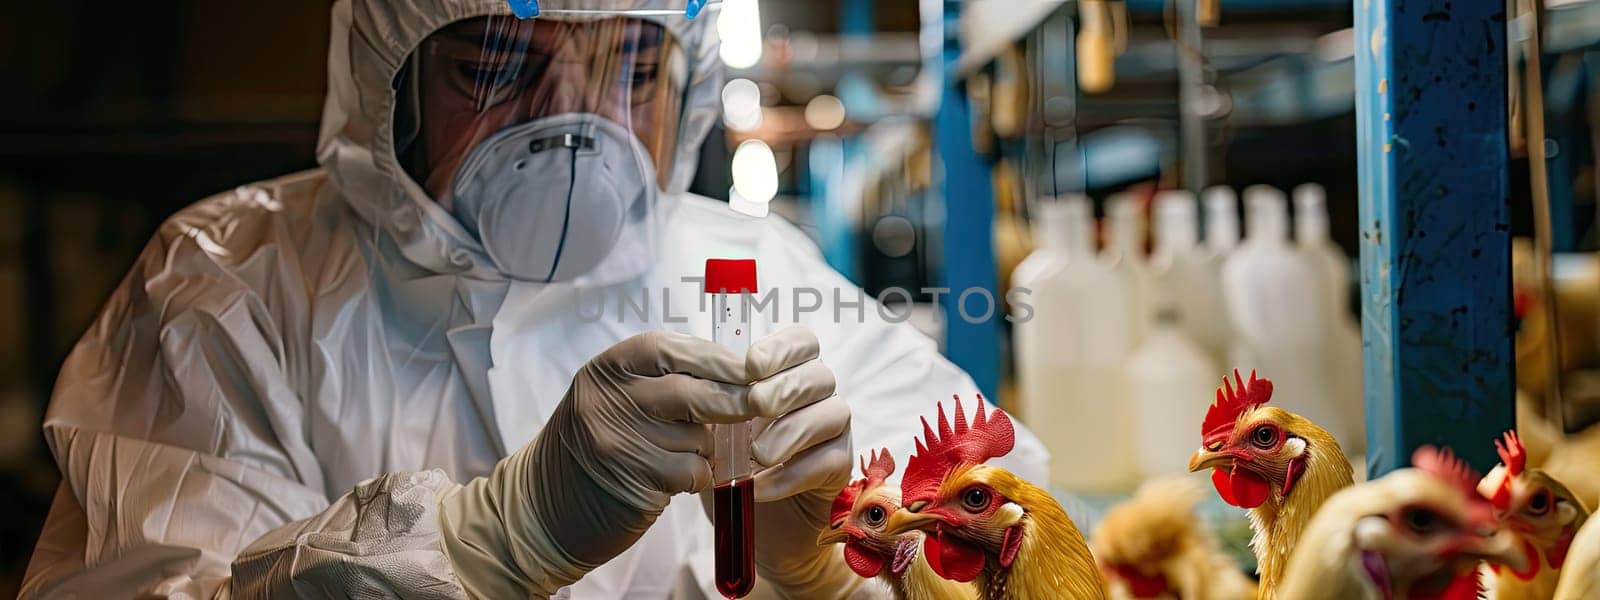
755,171
741,105
825,113
739,26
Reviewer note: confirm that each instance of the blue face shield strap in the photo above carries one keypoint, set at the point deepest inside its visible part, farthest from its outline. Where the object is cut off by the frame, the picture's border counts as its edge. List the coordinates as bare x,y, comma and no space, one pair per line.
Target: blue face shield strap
528,9
524,9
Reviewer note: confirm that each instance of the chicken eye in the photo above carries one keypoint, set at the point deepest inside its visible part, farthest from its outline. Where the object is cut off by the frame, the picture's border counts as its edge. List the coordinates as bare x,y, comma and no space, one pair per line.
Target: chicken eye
975,499
1421,520
875,515
1540,503
1264,436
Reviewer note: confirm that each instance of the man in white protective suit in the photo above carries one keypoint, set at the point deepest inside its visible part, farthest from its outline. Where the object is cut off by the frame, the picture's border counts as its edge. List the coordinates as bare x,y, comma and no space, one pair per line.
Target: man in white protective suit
421,370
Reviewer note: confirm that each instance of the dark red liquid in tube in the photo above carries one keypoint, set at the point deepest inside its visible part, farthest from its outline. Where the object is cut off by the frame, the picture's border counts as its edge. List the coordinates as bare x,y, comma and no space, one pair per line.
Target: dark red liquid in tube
733,509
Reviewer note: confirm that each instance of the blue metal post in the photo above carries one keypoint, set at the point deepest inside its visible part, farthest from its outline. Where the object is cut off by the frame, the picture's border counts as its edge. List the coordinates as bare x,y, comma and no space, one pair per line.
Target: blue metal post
836,210
973,344
836,225
1435,227
855,18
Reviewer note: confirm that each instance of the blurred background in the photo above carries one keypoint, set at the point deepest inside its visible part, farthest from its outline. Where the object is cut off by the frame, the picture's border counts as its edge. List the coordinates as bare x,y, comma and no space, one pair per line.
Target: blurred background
1065,124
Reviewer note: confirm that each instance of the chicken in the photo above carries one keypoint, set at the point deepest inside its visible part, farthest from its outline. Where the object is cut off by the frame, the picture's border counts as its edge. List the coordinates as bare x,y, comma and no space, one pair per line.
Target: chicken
1273,462
1415,533
1580,579
1543,515
860,512
984,523
1155,546
1572,460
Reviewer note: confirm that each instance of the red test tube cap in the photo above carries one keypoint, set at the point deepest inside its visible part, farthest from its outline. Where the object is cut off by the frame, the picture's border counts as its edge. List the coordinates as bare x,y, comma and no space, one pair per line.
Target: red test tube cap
730,276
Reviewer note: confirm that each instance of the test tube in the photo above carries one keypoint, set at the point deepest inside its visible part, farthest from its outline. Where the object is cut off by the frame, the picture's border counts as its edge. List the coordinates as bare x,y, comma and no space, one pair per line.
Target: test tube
729,282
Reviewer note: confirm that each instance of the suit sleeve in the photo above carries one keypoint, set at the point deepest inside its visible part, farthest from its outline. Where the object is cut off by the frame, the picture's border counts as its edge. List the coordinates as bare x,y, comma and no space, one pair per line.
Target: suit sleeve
185,471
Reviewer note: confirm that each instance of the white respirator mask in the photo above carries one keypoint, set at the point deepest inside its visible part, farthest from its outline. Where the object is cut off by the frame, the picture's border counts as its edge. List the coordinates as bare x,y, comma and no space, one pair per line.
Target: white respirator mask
548,199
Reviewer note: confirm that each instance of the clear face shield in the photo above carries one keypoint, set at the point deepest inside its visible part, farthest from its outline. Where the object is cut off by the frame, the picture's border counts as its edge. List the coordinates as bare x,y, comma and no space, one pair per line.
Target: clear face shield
544,137
477,77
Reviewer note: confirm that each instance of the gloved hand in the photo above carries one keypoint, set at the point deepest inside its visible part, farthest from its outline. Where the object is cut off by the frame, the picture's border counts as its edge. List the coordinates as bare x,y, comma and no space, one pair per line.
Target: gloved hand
805,460
631,432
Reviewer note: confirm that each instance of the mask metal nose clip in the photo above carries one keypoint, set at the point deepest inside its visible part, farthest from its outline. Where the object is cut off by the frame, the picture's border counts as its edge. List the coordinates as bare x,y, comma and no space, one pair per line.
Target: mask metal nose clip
565,140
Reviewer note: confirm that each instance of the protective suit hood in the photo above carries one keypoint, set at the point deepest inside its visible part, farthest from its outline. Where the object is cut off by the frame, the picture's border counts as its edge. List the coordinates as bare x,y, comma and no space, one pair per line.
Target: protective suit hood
370,43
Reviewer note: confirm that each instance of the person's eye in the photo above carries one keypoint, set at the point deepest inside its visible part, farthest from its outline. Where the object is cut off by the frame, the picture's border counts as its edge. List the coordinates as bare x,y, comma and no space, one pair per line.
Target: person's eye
486,72
644,74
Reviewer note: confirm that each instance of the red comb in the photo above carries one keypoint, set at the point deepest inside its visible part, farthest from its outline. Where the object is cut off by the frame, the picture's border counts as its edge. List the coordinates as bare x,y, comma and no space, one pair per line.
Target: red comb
1515,457
988,436
1231,403
881,467
1512,453
1444,464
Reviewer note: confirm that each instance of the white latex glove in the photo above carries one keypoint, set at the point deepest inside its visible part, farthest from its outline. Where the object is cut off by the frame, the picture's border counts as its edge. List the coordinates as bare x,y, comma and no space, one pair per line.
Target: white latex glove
805,459
631,432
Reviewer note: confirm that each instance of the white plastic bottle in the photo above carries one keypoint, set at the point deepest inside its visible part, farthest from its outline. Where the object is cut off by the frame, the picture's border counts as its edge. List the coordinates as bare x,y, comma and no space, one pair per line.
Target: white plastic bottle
1051,220
1279,311
1187,276
1170,380
1222,220
1069,363
1050,236
1333,268
1124,251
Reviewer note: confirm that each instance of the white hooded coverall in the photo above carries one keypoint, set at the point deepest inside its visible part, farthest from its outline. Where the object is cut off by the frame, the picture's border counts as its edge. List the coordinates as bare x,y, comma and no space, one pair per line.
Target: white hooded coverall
275,397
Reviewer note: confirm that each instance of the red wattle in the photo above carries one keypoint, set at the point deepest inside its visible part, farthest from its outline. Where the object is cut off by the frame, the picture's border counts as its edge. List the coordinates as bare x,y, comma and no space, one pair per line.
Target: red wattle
932,549
1249,489
1240,487
1533,562
1219,479
1558,553
865,563
1464,587
957,560
1141,585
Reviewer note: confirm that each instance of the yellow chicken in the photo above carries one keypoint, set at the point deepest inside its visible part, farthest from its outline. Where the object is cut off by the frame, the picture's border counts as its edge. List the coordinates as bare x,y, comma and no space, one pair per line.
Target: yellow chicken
984,523
1155,546
1414,533
1273,462
860,514
1540,512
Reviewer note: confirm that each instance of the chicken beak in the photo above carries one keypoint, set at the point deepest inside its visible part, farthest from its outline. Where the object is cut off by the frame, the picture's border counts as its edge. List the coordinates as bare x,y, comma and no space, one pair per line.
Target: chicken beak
832,535
904,520
1500,548
1206,459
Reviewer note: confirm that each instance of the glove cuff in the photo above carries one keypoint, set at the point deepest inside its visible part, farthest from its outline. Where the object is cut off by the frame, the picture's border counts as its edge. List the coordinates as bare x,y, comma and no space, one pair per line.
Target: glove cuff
494,538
